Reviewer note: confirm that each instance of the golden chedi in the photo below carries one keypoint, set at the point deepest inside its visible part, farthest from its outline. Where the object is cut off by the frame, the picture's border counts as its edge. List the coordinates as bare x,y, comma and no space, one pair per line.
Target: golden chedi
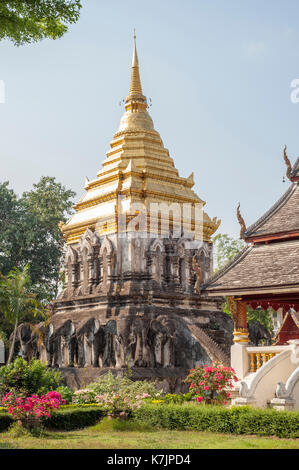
138,167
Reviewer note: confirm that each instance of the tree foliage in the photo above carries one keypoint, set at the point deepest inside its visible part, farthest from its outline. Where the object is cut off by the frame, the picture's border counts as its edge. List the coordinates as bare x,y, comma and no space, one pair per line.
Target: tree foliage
226,248
29,232
28,21
17,300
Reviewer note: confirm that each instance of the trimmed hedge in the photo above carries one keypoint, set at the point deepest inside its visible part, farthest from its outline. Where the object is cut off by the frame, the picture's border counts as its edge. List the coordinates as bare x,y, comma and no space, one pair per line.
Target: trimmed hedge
70,419
235,420
67,419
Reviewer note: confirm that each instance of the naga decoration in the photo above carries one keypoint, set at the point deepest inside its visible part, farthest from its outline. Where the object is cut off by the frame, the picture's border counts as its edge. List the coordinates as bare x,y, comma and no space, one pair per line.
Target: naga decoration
233,308
287,162
241,222
198,272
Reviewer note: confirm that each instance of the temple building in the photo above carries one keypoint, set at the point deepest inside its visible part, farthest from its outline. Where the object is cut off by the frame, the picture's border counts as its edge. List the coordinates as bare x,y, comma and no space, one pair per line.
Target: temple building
138,248
266,274
289,328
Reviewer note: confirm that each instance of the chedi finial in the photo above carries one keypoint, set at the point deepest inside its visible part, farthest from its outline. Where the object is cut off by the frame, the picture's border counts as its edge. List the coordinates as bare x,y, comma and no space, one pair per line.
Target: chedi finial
135,92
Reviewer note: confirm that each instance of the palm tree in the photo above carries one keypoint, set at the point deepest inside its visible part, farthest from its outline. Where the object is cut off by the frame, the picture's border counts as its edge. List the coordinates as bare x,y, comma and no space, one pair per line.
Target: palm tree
17,301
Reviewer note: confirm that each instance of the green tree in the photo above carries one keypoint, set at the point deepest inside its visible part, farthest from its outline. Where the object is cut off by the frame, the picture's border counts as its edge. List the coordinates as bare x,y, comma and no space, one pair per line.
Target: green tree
10,221
24,22
29,232
17,300
45,206
226,248
262,316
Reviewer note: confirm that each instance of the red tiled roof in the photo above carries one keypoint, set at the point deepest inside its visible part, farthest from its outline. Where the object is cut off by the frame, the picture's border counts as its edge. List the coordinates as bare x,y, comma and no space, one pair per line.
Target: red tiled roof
258,267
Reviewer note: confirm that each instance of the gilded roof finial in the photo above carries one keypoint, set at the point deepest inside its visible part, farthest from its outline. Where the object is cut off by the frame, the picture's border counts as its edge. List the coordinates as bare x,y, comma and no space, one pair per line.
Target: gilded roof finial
287,162
241,222
135,56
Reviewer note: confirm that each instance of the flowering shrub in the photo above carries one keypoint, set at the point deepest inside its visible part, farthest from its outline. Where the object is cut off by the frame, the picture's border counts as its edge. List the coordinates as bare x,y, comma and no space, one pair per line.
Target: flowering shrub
26,379
109,383
211,383
84,396
121,394
120,402
66,394
27,410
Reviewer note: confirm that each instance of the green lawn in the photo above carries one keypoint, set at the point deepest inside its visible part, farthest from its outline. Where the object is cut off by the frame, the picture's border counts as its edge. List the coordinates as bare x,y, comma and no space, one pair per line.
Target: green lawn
120,435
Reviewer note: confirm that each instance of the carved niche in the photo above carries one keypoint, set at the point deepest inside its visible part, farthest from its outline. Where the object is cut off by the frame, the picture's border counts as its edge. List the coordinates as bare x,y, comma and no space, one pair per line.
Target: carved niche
88,249
107,262
157,263
72,271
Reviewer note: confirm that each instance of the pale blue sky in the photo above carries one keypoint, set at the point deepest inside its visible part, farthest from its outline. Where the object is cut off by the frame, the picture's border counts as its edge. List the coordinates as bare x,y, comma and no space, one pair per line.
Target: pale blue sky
218,73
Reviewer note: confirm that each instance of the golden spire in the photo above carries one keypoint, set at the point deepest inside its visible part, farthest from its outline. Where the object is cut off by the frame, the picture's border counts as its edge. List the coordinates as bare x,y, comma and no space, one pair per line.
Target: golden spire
135,93
136,116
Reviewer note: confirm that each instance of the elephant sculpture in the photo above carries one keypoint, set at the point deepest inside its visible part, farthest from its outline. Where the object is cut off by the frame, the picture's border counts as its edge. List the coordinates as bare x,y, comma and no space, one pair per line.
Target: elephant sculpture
132,344
258,332
91,344
24,337
162,334
61,345
109,354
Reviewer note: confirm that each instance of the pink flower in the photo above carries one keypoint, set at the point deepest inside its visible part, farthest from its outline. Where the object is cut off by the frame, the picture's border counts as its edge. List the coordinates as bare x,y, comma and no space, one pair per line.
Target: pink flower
54,394
199,399
206,387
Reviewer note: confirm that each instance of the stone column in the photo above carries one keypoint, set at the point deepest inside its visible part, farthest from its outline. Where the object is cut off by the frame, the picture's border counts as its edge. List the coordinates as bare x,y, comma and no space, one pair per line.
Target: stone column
239,314
74,274
91,273
175,272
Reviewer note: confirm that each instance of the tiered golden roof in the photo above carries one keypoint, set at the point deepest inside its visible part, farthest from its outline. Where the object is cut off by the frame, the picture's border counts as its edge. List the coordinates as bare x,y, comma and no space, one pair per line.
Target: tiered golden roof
138,168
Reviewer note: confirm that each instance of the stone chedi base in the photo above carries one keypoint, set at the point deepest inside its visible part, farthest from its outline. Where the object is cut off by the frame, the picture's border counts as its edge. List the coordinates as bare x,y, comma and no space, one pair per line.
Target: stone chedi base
147,320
